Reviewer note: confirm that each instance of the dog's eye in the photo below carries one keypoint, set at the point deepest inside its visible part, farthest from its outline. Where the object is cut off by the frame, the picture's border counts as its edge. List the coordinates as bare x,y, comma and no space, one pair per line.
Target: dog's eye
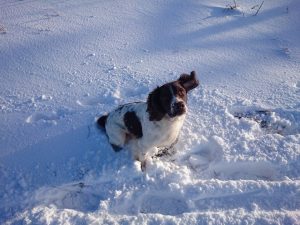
181,93
164,98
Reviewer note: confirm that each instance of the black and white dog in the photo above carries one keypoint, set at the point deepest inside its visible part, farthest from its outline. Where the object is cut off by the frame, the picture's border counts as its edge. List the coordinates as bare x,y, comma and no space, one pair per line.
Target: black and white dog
146,126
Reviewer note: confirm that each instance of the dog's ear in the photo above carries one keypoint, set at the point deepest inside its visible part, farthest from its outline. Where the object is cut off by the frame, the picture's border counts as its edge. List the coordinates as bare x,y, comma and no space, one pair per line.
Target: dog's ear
189,82
154,108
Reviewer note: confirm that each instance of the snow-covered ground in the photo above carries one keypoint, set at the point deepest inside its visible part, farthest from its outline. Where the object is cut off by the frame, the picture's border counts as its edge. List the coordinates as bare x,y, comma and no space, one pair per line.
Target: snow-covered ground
63,63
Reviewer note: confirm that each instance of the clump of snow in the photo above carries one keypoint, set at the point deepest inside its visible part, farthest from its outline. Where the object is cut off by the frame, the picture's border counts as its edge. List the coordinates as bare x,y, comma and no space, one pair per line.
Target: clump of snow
63,64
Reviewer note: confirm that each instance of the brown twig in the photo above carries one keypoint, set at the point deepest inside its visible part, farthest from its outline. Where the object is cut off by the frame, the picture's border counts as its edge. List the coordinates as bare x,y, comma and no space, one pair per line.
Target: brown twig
259,8
233,6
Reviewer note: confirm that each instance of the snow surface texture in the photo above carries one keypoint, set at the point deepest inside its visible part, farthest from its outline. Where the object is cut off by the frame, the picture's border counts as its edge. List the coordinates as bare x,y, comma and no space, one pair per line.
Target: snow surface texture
63,63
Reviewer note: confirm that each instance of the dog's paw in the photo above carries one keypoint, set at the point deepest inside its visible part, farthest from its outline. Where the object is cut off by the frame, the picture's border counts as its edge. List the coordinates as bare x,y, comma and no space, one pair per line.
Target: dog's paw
143,165
116,148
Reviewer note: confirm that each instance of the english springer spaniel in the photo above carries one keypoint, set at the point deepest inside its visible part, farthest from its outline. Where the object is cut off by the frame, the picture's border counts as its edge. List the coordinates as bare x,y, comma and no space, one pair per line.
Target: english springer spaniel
144,127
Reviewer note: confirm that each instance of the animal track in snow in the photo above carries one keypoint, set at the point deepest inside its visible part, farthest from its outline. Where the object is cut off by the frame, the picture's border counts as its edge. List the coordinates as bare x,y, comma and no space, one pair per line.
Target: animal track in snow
207,153
113,96
249,199
89,101
260,170
48,117
163,205
76,196
279,121
207,161
96,100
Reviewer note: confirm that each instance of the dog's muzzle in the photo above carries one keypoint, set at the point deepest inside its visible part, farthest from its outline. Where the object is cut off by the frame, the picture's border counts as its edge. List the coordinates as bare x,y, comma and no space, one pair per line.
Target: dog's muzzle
177,109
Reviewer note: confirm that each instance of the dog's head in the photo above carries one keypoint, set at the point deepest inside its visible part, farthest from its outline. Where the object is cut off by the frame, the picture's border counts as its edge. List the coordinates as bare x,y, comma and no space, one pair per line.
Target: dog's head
171,98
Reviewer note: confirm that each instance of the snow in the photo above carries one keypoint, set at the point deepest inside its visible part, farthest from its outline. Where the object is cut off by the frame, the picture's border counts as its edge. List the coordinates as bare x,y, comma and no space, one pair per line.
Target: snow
64,63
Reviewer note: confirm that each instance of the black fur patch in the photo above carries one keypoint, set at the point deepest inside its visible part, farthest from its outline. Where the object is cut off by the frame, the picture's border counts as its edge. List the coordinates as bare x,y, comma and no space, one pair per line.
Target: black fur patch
133,124
102,121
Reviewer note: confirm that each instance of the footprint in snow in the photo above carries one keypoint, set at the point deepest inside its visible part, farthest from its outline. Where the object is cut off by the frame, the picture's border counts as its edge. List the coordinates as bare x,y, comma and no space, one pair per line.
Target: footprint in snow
47,117
89,101
114,96
206,154
44,117
96,100
284,52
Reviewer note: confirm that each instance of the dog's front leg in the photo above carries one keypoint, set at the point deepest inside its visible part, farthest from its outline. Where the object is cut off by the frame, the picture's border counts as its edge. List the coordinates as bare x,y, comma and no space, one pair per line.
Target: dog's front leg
142,159
143,165
144,156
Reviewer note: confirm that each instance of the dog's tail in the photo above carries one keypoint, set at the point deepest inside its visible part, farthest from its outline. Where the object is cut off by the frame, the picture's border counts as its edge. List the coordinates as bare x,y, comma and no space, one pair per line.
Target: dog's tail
101,121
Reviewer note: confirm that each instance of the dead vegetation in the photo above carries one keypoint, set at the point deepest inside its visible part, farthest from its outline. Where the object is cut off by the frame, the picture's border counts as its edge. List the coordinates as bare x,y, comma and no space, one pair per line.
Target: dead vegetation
235,6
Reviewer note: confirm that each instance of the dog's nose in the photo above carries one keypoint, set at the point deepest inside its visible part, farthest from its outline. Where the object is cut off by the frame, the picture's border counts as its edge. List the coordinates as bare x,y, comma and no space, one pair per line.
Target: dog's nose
179,106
